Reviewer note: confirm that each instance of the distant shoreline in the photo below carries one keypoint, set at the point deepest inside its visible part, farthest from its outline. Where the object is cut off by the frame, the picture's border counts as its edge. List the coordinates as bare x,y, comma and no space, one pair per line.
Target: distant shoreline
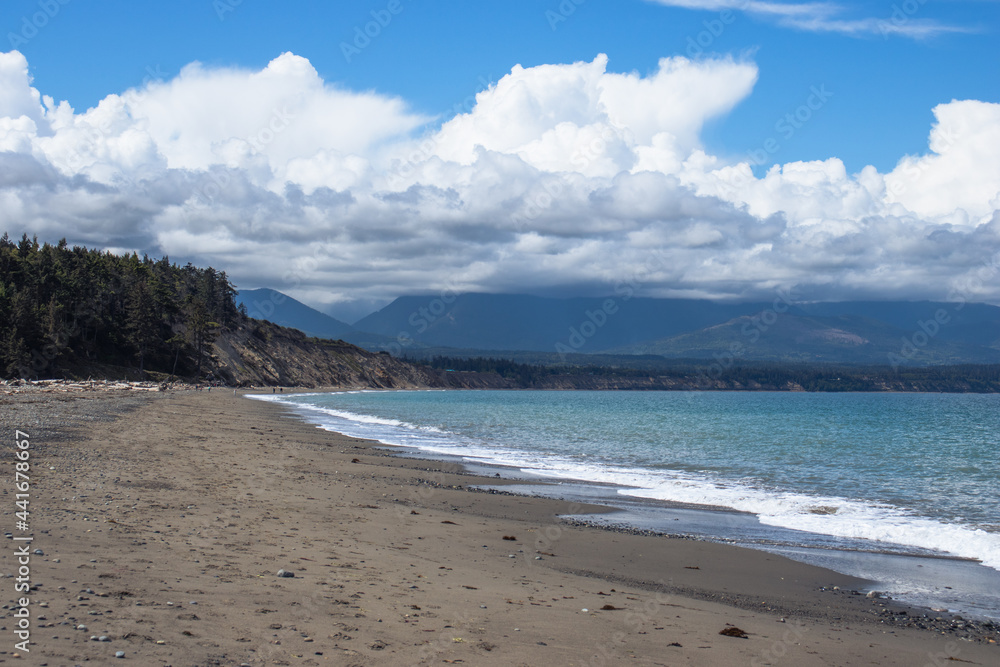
490,373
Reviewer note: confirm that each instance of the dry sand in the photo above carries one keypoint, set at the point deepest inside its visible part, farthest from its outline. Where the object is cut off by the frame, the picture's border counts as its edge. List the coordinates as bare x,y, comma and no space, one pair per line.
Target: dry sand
164,519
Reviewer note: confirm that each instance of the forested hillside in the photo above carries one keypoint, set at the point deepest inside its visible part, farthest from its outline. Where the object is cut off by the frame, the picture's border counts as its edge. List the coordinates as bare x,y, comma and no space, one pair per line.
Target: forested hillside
74,312
68,308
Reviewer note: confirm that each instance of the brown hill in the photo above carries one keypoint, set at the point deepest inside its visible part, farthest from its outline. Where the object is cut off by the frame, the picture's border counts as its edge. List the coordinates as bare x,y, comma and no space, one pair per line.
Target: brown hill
261,353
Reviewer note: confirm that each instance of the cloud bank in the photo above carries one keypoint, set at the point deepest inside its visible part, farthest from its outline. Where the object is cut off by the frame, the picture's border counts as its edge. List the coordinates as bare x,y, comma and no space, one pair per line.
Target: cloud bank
563,177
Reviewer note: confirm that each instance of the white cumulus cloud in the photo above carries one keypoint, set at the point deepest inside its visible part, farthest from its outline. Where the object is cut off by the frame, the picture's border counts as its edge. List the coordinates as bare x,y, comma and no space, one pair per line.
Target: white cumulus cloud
566,177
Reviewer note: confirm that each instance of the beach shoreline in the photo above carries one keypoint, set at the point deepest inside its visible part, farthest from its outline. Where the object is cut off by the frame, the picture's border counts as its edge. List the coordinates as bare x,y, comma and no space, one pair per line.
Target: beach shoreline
884,542
188,497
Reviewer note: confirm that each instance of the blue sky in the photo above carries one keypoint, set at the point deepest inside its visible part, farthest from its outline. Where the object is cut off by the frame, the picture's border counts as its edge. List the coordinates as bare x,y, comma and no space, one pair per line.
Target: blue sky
435,54
733,136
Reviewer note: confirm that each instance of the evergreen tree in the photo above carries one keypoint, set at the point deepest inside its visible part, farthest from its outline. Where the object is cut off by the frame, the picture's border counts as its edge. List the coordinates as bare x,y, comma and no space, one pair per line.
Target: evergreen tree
201,328
143,322
63,307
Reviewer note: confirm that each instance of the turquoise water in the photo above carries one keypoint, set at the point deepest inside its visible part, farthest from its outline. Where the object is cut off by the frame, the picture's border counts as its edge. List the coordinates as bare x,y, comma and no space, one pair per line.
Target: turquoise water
917,472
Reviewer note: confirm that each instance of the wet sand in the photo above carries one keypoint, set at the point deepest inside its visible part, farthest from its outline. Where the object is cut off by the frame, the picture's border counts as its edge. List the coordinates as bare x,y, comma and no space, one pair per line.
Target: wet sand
164,519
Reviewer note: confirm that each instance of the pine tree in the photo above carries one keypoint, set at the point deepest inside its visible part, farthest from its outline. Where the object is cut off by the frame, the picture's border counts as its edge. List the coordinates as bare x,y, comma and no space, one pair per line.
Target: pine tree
201,329
143,322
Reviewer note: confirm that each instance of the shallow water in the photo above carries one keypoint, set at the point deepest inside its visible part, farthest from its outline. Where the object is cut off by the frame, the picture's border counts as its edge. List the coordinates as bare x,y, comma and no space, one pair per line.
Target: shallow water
915,474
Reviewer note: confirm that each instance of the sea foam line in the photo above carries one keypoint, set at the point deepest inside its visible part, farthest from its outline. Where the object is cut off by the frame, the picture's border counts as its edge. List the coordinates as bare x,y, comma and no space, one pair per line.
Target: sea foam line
834,516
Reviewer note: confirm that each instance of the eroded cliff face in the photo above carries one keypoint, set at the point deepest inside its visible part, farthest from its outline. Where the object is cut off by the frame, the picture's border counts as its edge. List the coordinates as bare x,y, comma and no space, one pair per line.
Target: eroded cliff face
265,354
262,353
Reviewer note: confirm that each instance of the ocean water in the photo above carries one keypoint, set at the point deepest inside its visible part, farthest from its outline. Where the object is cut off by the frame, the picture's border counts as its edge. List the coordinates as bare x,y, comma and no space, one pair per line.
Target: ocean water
910,474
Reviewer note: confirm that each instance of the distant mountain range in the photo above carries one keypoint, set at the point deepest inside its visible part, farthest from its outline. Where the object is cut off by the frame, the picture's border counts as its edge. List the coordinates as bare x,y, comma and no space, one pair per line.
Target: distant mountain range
281,309
891,332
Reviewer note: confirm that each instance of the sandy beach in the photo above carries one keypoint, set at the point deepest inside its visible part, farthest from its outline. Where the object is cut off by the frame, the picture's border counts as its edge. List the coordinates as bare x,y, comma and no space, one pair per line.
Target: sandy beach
164,518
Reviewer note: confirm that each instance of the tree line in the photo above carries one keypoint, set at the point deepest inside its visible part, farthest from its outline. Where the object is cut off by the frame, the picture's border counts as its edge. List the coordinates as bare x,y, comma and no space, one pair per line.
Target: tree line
700,374
64,309
71,311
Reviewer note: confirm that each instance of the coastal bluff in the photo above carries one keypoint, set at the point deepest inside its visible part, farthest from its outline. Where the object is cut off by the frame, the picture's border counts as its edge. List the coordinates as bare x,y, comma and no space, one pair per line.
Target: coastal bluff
264,354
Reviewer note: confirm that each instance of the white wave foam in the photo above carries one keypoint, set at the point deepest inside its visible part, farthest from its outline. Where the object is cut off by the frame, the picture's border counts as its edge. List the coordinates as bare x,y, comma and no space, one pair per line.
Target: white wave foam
840,517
